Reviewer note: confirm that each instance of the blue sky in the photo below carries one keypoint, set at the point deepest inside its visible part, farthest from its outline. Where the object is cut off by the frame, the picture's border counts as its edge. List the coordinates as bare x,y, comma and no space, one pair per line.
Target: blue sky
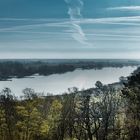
69,28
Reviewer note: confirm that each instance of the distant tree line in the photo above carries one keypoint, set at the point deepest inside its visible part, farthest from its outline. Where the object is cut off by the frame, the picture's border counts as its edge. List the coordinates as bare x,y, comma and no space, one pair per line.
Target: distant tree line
16,69
100,114
19,69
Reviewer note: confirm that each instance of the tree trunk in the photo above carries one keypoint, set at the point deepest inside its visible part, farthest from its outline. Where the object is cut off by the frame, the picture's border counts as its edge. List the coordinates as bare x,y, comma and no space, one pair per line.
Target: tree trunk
89,133
90,136
106,131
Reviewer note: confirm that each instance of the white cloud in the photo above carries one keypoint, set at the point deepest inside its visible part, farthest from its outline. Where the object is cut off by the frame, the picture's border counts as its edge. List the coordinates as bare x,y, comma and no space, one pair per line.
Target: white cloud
133,20
74,12
125,8
71,29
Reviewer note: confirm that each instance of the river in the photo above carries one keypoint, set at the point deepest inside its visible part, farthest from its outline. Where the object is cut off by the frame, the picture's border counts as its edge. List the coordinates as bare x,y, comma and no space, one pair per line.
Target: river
59,83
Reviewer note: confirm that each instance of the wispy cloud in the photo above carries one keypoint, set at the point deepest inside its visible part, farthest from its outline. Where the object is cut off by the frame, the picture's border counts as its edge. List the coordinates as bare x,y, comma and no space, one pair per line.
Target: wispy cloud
74,25
70,29
125,8
74,12
130,21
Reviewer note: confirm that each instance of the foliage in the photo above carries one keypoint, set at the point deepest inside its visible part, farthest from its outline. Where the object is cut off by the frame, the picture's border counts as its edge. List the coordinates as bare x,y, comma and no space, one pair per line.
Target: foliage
102,113
131,93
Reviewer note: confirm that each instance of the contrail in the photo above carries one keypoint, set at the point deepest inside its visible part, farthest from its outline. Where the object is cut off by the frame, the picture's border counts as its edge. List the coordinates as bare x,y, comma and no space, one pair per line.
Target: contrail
74,11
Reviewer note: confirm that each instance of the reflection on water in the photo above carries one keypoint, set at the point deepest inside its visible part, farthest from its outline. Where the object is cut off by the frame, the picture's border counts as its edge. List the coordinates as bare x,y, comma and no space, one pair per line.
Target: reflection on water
59,83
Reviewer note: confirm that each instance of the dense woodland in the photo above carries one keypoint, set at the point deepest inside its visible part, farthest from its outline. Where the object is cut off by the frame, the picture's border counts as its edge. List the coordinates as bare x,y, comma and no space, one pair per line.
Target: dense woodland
100,114
22,68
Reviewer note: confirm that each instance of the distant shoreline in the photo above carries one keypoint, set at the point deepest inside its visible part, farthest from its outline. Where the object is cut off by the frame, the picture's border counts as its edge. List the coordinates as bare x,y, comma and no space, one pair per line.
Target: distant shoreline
26,68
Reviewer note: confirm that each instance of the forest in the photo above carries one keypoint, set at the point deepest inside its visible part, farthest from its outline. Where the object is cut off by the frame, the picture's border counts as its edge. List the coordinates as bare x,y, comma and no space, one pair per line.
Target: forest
100,114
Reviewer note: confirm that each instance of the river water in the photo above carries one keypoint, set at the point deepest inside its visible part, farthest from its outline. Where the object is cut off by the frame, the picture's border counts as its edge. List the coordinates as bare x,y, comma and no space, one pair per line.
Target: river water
59,83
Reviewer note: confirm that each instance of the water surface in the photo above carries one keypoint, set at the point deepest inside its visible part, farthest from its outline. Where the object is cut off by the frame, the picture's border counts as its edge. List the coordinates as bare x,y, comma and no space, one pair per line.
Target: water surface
59,83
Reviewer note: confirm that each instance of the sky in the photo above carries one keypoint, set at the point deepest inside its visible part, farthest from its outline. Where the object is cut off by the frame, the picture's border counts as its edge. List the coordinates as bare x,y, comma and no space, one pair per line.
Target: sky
70,29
